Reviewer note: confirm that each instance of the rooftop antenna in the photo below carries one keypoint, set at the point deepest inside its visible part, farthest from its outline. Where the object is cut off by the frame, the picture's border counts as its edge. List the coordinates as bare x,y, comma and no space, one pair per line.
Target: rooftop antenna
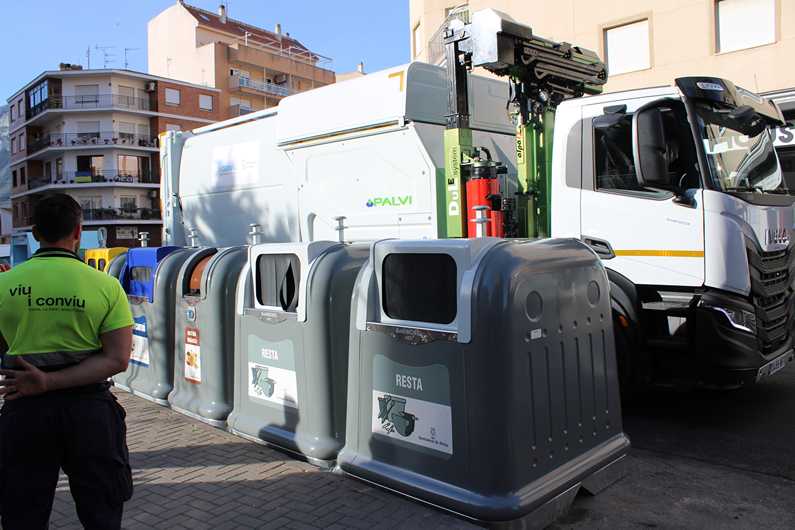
126,64
107,56
88,57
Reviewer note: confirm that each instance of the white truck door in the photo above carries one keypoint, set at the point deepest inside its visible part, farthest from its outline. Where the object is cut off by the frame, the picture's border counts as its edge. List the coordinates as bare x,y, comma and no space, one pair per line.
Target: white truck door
645,234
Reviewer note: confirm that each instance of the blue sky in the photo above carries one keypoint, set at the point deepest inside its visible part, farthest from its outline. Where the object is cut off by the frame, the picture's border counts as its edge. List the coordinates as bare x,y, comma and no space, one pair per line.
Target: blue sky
37,35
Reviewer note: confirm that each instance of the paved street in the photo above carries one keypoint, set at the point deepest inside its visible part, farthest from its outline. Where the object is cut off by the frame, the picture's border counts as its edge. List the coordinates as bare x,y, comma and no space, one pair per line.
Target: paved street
703,459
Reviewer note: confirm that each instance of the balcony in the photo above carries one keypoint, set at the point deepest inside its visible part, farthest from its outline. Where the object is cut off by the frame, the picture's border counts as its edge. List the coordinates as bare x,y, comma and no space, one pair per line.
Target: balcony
237,110
238,82
96,101
119,214
109,138
76,179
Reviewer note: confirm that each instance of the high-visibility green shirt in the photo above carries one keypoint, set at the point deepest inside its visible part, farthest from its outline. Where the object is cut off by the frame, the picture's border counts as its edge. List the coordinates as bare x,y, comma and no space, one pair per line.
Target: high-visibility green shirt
54,307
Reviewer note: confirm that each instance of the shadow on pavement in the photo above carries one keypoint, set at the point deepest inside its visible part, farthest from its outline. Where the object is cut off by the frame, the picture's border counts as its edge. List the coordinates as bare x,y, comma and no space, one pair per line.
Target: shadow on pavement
750,428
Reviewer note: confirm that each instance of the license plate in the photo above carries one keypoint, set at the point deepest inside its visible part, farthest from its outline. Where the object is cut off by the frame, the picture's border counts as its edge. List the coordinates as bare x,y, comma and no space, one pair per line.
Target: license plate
773,366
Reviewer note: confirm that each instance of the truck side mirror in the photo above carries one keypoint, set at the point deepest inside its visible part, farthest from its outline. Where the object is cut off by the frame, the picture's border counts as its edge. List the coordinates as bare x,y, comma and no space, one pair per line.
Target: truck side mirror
650,149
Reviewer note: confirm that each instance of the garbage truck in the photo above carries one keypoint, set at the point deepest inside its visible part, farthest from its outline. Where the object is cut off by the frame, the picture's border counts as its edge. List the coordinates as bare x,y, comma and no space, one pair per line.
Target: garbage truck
677,189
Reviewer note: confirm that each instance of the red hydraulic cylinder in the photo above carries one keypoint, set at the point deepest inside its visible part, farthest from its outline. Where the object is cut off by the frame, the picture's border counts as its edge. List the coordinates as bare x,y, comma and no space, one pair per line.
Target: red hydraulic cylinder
478,191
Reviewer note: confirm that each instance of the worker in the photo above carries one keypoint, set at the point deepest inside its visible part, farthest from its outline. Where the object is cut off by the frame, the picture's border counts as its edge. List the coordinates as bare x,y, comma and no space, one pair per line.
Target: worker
66,329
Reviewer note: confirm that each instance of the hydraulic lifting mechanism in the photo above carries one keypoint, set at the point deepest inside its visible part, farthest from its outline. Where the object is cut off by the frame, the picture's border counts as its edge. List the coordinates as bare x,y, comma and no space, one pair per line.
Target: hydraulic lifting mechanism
542,74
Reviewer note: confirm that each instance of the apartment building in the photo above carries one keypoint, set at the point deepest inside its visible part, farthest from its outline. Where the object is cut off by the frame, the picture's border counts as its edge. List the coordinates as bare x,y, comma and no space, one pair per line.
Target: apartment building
94,135
645,42
254,68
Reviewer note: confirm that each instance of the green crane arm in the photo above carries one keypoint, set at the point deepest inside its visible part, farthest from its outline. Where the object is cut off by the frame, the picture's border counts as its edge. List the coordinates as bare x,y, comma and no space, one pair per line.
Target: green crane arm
542,74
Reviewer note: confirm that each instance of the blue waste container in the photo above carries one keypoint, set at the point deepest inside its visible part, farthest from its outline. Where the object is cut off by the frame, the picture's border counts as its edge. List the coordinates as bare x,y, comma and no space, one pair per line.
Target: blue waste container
149,277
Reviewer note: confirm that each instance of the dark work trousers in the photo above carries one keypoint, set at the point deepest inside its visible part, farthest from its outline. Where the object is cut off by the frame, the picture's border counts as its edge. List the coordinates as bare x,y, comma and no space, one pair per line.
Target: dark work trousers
81,431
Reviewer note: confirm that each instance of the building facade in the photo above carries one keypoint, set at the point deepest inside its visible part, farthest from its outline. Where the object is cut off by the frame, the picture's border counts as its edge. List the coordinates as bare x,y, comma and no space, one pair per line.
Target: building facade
254,68
645,42
94,135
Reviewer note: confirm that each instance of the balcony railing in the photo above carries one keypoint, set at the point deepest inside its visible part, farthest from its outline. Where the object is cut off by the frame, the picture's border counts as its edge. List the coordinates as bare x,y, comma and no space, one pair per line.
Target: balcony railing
237,110
260,86
119,214
95,101
110,176
58,140
104,214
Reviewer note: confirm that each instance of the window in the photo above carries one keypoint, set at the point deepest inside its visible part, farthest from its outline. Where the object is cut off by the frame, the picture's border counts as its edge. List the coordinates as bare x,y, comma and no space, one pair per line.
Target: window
37,96
14,178
48,170
133,166
127,131
205,102
420,287
13,144
786,157
741,24
245,74
19,109
614,161
128,204
172,96
627,48
58,168
21,176
126,96
143,130
242,103
87,130
87,96
13,112
416,40
278,276
90,165
173,127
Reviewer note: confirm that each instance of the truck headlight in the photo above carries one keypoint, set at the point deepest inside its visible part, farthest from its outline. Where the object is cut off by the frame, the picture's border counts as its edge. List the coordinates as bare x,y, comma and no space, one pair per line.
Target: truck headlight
738,318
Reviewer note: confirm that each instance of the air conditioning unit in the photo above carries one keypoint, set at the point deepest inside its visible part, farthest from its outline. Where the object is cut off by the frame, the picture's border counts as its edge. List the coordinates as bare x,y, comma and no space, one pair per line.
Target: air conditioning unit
151,86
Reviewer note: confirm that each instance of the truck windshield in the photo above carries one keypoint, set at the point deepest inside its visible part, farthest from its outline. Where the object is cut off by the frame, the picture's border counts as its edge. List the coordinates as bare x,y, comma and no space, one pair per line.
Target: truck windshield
740,159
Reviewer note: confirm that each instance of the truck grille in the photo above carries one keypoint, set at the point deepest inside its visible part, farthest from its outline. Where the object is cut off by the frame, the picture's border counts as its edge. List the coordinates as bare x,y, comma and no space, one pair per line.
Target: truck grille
772,294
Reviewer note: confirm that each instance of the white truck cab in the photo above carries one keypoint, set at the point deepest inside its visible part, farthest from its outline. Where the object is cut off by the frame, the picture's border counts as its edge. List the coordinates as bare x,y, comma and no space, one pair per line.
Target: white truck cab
680,192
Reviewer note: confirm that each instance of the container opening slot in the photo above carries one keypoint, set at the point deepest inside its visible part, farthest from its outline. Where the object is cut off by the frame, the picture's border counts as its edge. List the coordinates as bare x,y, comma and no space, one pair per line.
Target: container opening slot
92,263
420,287
278,277
194,286
101,264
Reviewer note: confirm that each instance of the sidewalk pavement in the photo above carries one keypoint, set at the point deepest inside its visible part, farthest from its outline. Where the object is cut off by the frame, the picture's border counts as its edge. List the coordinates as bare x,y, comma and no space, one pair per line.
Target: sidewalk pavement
193,476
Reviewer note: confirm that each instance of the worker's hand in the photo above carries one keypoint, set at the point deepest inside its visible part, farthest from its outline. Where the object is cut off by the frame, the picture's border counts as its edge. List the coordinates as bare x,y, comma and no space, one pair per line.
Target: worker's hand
26,381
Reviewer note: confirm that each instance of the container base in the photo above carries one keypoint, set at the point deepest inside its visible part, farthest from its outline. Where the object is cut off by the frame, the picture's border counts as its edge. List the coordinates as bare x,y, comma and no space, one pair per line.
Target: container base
218,424
326,465
161,402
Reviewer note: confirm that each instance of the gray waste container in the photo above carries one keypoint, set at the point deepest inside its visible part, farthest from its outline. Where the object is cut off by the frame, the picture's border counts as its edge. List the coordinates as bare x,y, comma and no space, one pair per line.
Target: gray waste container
292,346
205,334
482,376
150,277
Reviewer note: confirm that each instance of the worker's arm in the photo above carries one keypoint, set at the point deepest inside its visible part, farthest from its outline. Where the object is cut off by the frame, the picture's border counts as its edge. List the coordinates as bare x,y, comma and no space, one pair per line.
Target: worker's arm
27,380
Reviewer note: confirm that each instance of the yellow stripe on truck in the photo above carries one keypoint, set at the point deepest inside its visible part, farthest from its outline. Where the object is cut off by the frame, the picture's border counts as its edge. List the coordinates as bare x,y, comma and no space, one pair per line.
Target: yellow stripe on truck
661,253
